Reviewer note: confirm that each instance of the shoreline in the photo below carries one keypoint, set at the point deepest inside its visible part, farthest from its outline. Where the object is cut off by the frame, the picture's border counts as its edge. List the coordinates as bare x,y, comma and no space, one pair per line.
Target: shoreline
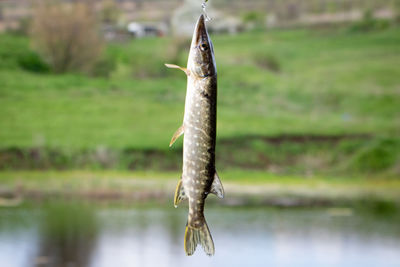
261,189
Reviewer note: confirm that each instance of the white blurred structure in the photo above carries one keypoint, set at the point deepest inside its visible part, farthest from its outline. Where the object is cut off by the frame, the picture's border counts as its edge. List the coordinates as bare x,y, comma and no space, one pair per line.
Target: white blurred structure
140,30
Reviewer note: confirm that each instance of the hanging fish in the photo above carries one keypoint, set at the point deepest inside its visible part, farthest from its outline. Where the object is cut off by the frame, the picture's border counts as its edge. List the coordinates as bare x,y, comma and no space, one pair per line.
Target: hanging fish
199,177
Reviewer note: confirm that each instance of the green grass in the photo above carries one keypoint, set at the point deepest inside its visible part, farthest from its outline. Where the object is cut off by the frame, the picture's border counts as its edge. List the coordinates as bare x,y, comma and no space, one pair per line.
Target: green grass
328,83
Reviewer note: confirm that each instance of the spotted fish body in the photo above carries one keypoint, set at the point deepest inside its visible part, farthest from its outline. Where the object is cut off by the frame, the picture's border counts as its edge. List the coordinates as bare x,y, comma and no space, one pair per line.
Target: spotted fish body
199,177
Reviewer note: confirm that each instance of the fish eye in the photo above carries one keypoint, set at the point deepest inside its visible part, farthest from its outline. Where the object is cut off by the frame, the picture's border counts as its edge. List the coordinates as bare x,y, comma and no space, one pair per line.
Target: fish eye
203,47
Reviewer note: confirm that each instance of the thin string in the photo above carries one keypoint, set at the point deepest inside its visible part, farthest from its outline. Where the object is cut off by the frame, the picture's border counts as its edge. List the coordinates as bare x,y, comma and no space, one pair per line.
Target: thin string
203,6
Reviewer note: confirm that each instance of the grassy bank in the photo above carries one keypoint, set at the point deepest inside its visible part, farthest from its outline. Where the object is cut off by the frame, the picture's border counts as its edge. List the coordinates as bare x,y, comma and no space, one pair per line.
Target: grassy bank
287,155
241,188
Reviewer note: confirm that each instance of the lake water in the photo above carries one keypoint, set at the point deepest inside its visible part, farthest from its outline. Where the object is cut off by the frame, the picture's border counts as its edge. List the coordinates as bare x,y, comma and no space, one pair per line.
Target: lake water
105,236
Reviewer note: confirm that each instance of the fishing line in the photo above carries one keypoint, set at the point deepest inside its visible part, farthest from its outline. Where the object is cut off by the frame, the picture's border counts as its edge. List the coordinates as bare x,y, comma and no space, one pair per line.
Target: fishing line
203,6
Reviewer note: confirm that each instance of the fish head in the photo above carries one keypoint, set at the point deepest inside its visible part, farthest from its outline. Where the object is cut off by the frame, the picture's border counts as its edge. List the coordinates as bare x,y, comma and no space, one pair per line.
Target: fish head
201,61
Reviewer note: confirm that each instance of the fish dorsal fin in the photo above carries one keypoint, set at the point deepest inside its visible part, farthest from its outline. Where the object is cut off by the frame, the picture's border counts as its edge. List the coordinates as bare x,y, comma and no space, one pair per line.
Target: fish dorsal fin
179,194
176,135
216,187
173,66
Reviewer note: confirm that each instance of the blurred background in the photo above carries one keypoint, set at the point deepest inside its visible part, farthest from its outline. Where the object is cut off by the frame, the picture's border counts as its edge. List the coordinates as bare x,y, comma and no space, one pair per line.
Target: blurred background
308,138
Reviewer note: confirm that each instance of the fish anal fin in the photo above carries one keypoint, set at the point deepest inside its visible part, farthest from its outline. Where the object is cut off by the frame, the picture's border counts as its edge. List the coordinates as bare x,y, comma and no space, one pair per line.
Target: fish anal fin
176,135
179,194
216,186
173,66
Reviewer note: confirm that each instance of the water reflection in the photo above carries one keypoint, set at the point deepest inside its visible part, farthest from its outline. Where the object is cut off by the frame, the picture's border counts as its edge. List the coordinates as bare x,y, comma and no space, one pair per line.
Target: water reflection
79,235
68,235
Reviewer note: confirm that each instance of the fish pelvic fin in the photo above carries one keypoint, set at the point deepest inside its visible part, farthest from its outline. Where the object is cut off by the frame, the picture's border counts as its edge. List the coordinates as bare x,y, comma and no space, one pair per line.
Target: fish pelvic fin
198,235
216,186
179,194
176,135
173,66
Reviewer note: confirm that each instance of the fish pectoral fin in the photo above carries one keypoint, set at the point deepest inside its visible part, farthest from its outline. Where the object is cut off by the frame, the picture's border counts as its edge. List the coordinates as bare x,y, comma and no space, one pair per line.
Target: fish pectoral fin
176,135
173,66
179,194
216,186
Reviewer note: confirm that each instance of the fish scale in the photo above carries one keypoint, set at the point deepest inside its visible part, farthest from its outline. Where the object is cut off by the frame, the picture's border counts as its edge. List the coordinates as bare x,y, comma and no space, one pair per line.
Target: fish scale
199,177
199,148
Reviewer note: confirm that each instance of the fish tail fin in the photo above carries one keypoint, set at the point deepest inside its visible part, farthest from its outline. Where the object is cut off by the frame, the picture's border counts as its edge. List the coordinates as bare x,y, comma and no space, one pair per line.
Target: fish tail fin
198,235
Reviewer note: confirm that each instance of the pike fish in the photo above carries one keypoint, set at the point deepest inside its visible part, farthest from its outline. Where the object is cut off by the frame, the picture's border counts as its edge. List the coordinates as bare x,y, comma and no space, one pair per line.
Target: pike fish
199,177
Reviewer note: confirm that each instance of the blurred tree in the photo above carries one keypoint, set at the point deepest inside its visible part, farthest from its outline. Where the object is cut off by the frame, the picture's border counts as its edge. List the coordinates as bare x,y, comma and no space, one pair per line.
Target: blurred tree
66,35
110,12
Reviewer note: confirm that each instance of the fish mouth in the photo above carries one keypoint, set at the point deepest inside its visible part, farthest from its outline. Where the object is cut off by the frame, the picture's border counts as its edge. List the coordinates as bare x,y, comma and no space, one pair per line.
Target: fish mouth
200,33
201,60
